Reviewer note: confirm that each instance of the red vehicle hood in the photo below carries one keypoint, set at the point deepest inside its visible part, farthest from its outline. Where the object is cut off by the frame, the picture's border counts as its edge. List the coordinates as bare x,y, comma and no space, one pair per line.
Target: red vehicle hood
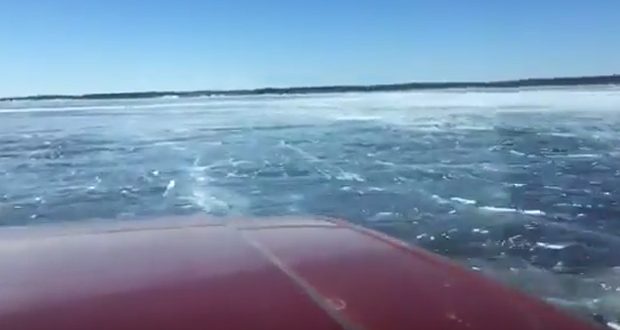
193,273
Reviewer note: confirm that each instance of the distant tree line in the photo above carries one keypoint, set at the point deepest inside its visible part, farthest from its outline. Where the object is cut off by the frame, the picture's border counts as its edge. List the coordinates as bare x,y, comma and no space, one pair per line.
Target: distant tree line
535,82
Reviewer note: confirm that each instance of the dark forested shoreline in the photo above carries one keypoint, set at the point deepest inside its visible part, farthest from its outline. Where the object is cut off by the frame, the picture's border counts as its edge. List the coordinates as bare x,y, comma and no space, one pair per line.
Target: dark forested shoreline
533,82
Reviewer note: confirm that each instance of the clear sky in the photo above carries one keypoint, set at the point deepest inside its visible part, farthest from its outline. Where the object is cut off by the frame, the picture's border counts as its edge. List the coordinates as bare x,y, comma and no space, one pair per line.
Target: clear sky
79,46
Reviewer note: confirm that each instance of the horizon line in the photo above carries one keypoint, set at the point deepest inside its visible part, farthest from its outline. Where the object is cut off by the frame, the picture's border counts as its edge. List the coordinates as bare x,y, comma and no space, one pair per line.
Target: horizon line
523,82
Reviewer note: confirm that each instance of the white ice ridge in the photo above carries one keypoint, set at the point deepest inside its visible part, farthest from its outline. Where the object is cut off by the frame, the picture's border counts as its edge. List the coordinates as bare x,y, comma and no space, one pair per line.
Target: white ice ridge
463,200
509,210
552,246
169,187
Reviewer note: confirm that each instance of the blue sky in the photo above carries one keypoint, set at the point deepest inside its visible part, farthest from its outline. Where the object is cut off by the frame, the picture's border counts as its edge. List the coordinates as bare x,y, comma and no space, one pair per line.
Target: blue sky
80,46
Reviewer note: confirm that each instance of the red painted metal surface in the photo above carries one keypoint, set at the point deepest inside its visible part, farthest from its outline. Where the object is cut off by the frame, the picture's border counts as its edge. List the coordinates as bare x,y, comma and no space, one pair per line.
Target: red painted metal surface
267,274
